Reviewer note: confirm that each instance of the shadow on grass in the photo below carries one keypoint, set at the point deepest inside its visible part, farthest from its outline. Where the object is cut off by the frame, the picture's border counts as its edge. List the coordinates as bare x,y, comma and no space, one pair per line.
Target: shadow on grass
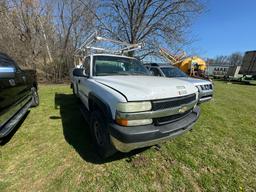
253,83
76,130
241,83
8,138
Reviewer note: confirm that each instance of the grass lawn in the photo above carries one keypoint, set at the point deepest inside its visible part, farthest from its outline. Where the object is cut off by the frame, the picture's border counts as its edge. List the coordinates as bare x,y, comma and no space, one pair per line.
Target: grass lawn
51,150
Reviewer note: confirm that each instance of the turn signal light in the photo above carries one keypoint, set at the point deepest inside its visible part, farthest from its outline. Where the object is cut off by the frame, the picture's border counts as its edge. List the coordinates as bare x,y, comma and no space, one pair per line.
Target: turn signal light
130,123
122,122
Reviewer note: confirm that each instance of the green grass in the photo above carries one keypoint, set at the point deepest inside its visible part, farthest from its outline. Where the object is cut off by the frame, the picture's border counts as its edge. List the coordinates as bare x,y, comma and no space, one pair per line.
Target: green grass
51,150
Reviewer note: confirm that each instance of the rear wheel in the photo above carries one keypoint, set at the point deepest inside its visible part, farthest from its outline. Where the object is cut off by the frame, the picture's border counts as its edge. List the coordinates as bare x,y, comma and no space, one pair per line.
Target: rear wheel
100,135
35,97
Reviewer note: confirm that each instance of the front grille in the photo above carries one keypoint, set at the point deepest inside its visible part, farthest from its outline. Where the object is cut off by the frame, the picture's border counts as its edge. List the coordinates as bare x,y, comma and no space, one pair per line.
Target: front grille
170,119
206,87
173,102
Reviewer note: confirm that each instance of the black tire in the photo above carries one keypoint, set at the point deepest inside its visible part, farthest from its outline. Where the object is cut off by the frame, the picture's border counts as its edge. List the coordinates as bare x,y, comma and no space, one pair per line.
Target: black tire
35,97
100,135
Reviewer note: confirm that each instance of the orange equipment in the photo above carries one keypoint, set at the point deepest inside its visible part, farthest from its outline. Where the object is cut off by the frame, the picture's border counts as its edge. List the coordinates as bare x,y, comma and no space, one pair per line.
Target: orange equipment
194,66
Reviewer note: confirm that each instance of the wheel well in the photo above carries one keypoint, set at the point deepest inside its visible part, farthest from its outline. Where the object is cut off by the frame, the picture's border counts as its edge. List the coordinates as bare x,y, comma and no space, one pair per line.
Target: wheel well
93,105
97,104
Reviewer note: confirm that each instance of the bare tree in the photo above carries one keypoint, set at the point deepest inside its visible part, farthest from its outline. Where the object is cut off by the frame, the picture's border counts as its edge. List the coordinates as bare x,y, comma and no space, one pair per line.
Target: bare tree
73,22
232,60
156,22
236,59
43,34
222,60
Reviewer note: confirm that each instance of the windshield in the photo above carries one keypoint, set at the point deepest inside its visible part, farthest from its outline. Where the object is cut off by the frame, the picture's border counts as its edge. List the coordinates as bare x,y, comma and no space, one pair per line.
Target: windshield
107,65
173,72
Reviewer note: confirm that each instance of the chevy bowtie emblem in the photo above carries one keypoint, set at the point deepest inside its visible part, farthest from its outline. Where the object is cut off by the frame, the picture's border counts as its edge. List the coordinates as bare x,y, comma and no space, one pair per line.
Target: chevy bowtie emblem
183,109
182,92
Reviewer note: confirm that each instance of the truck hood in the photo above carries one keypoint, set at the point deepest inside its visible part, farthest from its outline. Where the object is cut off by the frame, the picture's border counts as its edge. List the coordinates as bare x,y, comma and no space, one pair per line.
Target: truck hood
195,81
141,88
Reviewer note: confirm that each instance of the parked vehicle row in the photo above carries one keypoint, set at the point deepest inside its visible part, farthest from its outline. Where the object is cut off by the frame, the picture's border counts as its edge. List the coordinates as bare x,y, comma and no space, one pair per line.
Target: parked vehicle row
18,92
128,105
128,108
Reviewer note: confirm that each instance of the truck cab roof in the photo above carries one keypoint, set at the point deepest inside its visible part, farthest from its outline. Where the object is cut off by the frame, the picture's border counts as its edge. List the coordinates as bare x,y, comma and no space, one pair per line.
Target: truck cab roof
110,55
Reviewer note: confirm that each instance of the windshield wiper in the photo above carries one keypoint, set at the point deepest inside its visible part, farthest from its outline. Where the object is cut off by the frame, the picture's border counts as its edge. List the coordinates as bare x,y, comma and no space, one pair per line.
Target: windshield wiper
123,73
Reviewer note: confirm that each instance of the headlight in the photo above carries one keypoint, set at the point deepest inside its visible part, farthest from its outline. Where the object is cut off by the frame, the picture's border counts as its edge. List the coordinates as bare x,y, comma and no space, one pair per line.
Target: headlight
133,107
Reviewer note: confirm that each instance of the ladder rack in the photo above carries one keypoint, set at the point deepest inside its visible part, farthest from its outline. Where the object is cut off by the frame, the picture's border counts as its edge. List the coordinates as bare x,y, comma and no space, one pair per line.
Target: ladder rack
87,46
173,59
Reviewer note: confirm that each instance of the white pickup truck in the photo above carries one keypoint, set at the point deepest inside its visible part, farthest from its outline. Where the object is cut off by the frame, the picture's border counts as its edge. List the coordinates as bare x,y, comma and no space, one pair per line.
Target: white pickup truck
127,107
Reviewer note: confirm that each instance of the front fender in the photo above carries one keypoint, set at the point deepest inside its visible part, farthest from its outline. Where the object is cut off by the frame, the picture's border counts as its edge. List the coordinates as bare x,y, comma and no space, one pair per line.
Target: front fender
105,96
96,102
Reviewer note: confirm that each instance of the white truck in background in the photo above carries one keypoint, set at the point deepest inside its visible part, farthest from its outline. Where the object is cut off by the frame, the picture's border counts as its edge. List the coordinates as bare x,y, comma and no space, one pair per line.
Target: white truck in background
205,87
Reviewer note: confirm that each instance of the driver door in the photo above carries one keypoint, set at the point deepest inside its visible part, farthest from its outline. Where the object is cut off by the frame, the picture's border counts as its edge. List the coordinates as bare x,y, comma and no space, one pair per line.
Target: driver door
82,83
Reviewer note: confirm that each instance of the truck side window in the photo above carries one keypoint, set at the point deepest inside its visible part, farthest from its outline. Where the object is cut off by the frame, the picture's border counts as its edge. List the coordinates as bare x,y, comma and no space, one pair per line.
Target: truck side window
86,65
155,72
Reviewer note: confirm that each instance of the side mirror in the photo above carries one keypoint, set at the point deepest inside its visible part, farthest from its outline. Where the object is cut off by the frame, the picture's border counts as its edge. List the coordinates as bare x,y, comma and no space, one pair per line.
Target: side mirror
79,72
7,72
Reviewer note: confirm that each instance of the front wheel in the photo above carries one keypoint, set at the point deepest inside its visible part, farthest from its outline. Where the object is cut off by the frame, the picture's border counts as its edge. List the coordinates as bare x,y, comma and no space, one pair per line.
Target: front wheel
100,134
35,97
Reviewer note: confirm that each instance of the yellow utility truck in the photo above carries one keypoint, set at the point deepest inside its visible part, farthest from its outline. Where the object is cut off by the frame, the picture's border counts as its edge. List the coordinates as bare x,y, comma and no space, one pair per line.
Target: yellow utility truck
194,66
